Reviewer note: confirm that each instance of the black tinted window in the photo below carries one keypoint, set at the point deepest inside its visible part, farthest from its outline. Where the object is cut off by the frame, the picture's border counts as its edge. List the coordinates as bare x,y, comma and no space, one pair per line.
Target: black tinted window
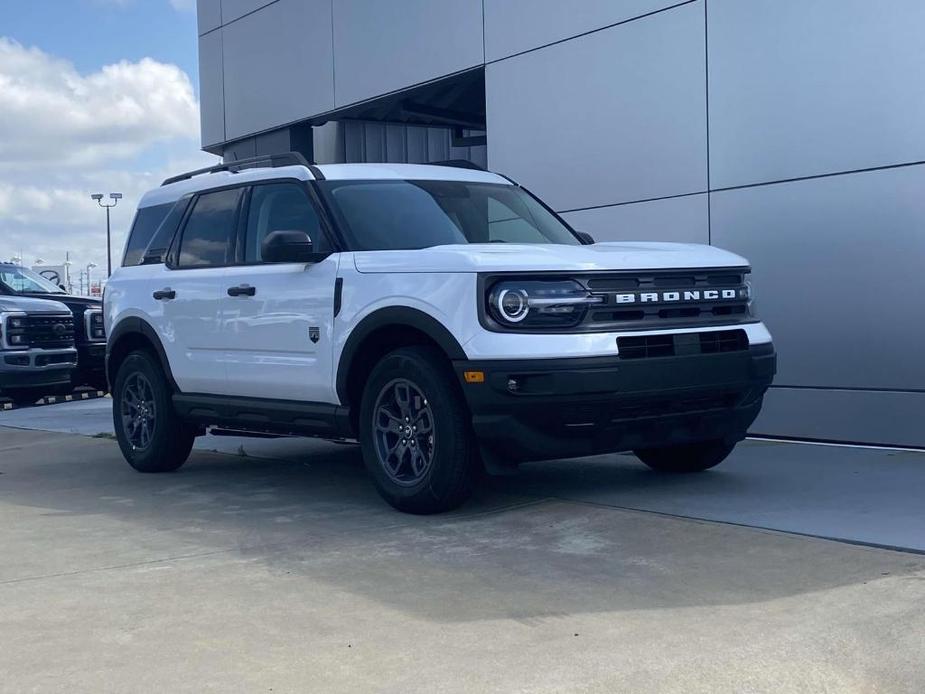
279,207
207,237
147,221
157,249
380,215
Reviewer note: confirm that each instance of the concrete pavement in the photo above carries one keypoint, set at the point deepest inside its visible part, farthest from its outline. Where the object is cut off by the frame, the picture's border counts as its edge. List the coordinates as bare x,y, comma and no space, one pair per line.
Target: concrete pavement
287,573
864,495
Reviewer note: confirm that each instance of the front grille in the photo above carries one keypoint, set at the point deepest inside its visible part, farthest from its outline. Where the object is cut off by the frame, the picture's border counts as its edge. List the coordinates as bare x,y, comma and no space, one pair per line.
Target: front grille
681,344
666,299
50,332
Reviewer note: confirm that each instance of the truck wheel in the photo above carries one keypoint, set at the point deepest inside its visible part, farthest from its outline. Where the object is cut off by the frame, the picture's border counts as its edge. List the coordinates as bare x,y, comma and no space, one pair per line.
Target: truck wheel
23,397
151,436
415,434
692,457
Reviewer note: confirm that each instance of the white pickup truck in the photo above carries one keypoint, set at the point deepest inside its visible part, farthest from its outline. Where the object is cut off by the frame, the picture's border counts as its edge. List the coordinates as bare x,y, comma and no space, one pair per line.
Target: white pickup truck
37,353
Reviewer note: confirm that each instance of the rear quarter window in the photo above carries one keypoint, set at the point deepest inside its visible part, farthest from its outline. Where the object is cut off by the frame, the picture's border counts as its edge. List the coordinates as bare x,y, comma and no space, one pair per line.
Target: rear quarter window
147,221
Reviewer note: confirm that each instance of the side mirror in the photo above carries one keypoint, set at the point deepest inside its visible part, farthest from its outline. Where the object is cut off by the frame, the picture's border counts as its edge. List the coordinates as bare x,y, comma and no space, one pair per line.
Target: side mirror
289,247
585,237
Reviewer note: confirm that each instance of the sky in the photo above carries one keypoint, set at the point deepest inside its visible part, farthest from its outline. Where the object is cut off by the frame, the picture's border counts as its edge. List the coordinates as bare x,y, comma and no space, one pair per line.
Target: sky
95,96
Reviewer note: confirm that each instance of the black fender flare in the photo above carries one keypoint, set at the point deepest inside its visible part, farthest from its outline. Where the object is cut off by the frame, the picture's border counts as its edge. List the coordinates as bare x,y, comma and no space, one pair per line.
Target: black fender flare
133,325
394,316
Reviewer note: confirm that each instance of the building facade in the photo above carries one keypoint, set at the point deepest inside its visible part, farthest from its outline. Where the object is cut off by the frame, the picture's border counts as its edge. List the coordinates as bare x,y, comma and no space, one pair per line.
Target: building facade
790,131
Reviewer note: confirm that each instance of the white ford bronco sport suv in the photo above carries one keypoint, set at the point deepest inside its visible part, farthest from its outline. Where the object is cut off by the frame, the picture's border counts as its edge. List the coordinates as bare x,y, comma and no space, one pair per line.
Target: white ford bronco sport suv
442,316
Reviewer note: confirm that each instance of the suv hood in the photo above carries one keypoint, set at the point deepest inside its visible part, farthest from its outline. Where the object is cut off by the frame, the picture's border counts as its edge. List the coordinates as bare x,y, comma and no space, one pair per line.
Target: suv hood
492,257
22,303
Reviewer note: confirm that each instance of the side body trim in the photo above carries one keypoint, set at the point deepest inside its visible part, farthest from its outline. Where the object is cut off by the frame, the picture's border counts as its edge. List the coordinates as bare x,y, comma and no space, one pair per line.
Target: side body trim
135,325
265,415
393,316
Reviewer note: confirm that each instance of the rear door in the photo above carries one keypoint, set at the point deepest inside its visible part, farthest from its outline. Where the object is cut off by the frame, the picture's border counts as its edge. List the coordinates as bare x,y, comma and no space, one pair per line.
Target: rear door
190,326
277,317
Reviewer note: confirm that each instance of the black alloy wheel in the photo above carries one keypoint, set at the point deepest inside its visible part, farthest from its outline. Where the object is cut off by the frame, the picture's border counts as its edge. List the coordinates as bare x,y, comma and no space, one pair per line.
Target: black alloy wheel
138,410
404,432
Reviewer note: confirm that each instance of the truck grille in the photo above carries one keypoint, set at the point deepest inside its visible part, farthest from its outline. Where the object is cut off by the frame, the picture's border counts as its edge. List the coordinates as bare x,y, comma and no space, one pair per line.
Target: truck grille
681,344
50,332
667,299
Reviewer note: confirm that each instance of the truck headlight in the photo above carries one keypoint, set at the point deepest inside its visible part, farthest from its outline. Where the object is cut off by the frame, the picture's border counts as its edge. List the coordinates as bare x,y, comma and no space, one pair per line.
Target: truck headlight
539,303
93,319
13,331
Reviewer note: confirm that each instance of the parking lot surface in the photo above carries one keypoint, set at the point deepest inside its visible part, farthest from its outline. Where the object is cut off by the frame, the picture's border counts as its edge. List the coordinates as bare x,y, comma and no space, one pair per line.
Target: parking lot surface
274,566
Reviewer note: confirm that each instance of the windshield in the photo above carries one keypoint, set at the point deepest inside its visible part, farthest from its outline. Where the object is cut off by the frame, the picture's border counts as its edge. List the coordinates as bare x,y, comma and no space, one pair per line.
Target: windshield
390,215
23,281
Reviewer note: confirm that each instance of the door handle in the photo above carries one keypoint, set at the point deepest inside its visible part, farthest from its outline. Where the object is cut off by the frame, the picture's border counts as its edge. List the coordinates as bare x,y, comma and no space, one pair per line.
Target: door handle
242,290
165,293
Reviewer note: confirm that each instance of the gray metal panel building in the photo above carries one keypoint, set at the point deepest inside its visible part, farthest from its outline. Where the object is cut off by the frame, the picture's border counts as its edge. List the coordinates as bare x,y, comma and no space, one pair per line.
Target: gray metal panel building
788,131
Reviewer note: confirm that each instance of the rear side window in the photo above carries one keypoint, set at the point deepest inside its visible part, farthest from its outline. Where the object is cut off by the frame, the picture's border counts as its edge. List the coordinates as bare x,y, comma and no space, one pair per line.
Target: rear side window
157,249
208,236
147,221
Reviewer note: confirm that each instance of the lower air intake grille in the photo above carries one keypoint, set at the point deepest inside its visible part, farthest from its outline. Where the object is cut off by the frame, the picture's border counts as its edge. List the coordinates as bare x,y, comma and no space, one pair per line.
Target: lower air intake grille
681,344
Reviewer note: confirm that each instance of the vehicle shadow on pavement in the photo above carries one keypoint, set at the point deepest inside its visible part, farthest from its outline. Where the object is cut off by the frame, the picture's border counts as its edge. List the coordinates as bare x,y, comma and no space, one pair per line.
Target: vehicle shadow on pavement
70,504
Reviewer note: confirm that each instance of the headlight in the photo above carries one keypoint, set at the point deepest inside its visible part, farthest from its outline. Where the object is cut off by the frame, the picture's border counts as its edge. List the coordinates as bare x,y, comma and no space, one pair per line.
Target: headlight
93,319
750,298
12,331
539,303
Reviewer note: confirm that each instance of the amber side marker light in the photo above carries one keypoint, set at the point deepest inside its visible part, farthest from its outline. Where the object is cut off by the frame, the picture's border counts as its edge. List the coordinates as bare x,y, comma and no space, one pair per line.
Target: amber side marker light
474,376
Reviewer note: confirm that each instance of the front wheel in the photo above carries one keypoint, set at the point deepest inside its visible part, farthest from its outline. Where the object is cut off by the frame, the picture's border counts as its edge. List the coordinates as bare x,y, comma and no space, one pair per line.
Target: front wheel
691,457
24,396
151,436
414,432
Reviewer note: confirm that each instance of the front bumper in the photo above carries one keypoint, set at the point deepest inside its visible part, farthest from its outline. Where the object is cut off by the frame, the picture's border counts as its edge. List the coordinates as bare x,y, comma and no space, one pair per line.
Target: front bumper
555,408
36,368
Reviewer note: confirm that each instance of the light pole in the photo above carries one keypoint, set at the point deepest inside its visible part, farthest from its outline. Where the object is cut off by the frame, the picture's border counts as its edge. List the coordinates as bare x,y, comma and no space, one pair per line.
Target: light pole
67,271
115,197
90,266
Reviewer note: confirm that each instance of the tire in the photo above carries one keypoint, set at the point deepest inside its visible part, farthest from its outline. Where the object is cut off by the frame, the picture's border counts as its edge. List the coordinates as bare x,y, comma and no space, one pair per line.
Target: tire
692,457
22,397
151,436
99,384
94,382
429,469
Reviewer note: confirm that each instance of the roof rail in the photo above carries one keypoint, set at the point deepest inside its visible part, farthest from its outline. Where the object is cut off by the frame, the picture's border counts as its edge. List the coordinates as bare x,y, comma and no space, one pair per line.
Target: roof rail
267,160
458,164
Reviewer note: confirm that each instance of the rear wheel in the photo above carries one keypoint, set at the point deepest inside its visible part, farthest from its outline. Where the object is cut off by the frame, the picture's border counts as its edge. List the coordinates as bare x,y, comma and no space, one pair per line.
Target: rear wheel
151,436
24,396
691,457
415,434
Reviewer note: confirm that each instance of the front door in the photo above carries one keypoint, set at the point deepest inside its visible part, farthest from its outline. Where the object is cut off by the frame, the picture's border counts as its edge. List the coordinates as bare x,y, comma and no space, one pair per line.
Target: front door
277,317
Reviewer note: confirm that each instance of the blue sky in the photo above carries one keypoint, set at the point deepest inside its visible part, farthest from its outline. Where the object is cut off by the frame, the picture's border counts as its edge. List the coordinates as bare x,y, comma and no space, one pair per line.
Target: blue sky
95,96
93,33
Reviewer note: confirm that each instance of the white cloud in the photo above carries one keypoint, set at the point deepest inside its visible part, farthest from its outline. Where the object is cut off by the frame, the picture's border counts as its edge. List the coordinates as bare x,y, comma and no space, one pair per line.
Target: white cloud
65,135
51,113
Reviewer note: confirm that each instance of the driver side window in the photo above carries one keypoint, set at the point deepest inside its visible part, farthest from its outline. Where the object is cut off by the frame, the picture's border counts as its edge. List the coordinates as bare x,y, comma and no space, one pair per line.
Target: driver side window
280,207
